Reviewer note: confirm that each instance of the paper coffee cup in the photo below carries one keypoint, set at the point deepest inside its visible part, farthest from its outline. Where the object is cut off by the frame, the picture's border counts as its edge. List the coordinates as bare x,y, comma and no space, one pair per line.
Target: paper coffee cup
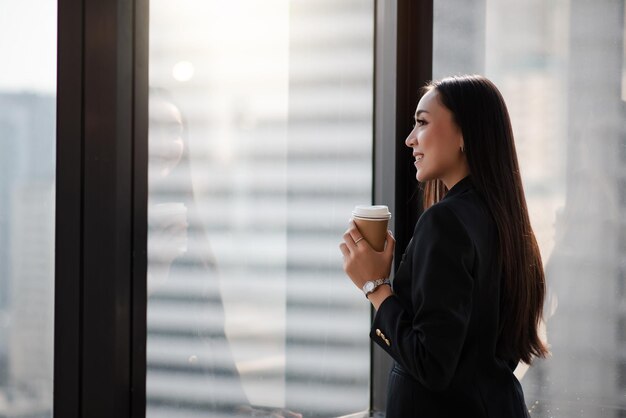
169,224
372,222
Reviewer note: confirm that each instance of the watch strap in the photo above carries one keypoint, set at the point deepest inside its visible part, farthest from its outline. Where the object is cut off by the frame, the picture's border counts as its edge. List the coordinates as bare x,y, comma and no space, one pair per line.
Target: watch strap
376,283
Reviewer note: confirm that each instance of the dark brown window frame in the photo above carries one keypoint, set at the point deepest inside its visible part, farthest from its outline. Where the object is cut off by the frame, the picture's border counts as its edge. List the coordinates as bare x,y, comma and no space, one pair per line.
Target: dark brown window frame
403,63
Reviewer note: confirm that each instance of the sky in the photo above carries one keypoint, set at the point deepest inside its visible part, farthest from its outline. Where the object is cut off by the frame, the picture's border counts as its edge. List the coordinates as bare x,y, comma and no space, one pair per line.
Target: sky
28,52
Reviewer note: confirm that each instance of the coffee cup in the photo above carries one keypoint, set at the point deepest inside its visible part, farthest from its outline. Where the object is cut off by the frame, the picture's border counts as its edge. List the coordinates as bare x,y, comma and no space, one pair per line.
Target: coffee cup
169,224
372,222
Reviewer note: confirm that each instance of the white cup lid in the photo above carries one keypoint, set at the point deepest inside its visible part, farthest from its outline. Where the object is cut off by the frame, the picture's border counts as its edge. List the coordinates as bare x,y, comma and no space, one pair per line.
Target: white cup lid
371,212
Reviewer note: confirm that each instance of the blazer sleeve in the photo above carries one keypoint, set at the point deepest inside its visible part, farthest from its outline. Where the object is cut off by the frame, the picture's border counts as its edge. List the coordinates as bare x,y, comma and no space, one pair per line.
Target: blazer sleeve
428,342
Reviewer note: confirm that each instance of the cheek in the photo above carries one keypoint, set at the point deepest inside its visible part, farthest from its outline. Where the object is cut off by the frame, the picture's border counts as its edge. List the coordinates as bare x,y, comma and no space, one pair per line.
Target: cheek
177,148
430,143
424,139
440,144
439,151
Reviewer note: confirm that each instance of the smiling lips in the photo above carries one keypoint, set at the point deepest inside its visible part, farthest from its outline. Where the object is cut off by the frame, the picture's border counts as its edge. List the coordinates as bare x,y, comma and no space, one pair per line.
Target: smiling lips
418,157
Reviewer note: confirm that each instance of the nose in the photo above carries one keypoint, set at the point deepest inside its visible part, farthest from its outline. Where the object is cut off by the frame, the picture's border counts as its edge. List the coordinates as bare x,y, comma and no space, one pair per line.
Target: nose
411,140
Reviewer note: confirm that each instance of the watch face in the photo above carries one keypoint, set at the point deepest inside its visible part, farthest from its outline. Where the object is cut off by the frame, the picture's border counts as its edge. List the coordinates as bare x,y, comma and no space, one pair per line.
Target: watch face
369,286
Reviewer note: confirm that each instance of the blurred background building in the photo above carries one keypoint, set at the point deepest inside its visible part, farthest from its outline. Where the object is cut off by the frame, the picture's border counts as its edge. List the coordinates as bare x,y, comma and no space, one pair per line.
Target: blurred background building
278,123
27,124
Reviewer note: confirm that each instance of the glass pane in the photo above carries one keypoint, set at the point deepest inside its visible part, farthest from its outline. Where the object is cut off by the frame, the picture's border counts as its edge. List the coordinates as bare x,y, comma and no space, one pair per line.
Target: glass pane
260,146
27,183
560,67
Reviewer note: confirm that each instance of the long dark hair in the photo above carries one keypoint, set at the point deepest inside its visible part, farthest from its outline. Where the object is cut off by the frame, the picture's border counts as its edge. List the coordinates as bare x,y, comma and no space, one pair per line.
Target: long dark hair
479,110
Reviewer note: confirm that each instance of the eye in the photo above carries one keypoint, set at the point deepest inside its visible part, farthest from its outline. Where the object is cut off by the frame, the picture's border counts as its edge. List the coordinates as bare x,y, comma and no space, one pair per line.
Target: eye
421,122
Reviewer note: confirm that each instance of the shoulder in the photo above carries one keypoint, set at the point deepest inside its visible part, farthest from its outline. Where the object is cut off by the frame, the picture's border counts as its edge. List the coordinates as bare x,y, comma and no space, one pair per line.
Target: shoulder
441,215
442,244
440,224
468,211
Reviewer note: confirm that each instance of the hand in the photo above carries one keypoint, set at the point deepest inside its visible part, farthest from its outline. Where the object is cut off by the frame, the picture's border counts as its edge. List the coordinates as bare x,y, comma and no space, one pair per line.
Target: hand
360,261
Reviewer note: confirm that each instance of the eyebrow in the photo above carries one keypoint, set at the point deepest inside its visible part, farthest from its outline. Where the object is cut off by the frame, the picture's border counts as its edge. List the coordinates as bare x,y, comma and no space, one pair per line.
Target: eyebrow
420,111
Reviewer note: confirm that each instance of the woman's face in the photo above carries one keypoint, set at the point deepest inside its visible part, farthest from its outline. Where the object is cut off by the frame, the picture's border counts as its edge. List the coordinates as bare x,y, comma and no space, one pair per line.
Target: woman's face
436,141
165,136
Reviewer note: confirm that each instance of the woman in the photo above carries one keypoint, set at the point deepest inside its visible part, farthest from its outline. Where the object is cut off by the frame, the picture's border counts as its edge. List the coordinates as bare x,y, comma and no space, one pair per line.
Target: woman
466,300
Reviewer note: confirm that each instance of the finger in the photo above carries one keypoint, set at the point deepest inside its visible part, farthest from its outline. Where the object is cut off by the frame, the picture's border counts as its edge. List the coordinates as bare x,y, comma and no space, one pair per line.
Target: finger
390,239
355,233
390,243
352,227
363,244
349,239
344,249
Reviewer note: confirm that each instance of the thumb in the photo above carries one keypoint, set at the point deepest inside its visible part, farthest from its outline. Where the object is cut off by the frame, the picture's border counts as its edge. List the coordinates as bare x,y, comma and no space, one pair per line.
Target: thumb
391,242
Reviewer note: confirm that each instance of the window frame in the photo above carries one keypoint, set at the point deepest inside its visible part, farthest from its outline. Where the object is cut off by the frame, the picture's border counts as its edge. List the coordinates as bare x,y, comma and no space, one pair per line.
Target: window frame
101,192
403,63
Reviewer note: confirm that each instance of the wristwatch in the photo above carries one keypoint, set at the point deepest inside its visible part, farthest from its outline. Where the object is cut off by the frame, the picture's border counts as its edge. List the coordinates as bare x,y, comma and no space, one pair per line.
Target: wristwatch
372,285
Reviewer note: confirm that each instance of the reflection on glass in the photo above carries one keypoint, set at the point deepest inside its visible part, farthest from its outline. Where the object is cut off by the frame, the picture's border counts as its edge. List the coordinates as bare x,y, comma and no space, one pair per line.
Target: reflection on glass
559,65
260,146
27,183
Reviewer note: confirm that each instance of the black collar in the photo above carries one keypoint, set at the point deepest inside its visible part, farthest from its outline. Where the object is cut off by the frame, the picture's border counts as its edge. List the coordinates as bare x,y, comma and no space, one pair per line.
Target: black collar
464,184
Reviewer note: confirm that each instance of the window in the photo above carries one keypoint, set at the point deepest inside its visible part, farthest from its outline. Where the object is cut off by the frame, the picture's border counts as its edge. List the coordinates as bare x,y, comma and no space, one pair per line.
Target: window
260,143
27,207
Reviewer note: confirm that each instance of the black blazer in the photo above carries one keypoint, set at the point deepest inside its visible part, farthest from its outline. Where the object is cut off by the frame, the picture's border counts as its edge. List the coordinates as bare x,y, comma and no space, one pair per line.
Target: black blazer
440,326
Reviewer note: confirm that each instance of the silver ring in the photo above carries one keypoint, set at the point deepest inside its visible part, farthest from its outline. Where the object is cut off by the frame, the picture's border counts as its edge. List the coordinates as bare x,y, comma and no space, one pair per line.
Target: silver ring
357,241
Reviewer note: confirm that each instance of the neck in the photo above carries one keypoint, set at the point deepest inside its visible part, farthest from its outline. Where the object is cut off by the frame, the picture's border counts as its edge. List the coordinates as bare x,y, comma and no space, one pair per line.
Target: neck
453,179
